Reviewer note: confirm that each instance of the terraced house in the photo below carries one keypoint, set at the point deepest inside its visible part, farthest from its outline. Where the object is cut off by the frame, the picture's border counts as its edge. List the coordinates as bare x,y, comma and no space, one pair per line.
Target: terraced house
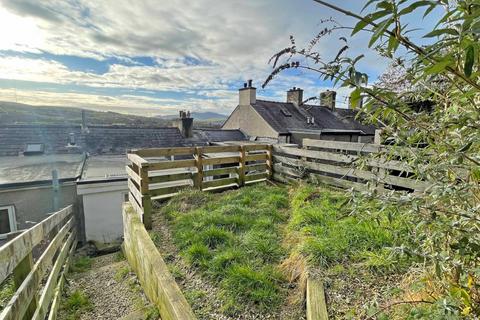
293,120
57,165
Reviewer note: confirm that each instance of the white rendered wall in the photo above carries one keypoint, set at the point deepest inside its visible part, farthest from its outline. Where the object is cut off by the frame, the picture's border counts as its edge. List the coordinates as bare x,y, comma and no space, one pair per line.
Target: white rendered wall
102,208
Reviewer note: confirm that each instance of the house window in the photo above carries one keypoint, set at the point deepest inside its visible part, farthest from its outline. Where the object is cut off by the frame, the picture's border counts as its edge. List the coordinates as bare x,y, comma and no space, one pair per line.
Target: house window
34,148
71,139
8,223
125,197
285,112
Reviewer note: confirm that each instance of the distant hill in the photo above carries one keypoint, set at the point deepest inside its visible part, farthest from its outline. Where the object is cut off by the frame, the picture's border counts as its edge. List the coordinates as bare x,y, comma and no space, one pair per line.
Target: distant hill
201,116
18,113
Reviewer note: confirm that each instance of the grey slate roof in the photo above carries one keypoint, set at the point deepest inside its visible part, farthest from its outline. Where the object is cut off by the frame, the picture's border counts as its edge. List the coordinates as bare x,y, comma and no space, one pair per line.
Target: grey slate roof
98,140
219,135
325,119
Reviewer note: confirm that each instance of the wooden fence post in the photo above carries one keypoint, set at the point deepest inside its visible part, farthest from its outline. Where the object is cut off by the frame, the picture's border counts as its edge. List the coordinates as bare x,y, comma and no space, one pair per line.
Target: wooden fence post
316,305
270,161
19,274
241,169
146,200
199,163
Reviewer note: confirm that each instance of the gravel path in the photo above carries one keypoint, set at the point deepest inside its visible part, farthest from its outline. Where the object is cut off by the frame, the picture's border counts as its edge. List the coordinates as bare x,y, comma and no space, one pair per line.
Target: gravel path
112,290
201,293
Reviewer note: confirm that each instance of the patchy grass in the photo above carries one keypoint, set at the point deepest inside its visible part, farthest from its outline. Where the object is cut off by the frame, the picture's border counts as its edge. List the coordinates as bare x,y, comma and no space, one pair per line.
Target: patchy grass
81,264
254,241
122,273
119,256
356,256
7,290
331,234
151,313
235,238
76,303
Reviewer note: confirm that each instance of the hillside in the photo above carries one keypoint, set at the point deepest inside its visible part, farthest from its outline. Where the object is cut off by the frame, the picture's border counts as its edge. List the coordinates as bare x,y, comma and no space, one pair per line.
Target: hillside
17,113
201,116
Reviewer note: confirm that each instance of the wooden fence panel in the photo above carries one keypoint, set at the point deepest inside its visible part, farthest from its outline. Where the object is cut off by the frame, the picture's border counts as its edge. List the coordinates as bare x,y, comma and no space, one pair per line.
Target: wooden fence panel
164,152
171,177
17,249
145,175
221,160
219,183
220,171
219,149
174,164
24,303
333,163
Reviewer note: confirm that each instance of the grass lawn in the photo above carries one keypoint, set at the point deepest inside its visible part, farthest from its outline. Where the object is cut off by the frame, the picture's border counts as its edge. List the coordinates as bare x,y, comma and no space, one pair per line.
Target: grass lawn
257,245
234,238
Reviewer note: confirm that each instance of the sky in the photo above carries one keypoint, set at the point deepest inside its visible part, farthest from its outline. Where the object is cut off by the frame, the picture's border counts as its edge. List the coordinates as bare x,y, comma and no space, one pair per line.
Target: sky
155,57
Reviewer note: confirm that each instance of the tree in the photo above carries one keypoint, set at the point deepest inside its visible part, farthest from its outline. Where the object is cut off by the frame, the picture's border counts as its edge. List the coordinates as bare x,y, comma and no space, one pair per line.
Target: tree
446,233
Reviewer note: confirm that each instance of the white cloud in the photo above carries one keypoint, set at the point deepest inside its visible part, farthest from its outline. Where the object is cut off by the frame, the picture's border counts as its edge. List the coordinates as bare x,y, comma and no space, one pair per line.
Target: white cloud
235,37
134,104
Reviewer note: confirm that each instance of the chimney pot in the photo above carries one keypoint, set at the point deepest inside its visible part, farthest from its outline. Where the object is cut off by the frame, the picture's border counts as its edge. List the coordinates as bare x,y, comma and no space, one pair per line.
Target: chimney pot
84,127
250,83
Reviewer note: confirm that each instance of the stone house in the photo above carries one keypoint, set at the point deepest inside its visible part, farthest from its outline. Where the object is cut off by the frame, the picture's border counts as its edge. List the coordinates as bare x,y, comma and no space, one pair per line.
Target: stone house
292,121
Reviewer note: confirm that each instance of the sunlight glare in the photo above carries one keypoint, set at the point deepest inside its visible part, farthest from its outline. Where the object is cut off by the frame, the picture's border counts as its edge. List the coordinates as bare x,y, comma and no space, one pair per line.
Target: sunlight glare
18,33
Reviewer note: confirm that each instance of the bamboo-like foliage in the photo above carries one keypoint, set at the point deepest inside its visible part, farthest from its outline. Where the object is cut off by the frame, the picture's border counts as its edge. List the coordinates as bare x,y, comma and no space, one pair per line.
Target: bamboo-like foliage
429,99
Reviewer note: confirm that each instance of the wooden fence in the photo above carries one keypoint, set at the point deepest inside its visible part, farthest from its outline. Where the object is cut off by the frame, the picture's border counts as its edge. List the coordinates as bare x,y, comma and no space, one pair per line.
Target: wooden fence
162,172
334,163
38,282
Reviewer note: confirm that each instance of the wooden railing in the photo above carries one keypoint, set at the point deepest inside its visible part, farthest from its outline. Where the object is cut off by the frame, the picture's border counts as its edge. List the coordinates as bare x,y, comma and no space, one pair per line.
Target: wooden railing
162,172
38,282
335,163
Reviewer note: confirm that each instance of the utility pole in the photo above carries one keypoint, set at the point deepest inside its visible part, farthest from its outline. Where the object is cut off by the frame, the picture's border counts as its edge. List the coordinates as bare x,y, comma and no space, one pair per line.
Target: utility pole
55,190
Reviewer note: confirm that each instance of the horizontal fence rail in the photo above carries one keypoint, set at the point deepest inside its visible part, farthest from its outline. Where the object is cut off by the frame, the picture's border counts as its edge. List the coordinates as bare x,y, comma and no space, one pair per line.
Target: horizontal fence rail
159,173
38,284
335,163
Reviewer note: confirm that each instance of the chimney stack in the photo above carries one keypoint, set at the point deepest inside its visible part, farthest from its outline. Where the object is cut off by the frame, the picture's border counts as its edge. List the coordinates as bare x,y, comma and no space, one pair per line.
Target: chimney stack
247,94
327,99
185,124
84,127
295,96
